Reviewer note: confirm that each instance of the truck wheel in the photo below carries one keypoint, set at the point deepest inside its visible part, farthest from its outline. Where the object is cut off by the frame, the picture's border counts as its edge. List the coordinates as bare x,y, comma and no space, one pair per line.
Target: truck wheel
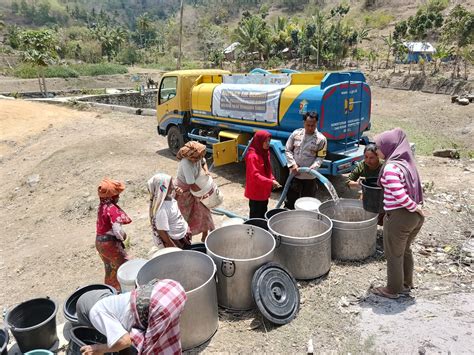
175,140
279,172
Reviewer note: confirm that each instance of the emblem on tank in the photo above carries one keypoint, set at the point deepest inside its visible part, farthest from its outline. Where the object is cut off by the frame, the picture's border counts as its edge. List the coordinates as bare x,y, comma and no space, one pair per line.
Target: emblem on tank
303,107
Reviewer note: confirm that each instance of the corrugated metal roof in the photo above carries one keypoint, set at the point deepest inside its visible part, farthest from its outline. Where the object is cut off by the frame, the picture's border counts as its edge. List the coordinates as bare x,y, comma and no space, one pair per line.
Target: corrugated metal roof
421,47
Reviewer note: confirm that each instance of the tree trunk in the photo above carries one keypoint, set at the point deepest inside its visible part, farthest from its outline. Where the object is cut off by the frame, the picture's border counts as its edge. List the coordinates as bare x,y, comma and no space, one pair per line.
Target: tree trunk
178,64
465,69
44,85
42,82
317,55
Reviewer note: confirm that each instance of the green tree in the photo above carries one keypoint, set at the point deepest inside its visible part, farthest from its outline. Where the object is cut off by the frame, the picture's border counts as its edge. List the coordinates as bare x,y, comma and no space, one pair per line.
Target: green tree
42,15
372,58
145,29
389,42
15,7
111,39
13,36
459,31
442,52
253,35
128,55
356,38
39,49
400,52
467,55
319,20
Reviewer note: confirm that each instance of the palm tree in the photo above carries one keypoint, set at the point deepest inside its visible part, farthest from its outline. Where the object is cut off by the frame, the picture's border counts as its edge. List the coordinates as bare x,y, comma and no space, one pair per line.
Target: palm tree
252,35
372,57
467,55
144,25
360,36
319,21
442,52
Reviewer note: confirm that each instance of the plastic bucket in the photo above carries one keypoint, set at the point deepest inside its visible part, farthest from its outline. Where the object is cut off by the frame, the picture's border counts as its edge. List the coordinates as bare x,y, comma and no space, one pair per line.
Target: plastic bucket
232,221
372,196
270,213
69,307
39,352
259,222
80,336
164,251
196,247
33,324
307,204
3,341
127,273
209,195
205,183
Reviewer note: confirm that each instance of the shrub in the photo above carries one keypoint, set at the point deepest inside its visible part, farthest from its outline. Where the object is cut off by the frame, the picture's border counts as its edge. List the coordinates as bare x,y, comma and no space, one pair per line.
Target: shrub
91,52
28,71
99,69
129,55
377,19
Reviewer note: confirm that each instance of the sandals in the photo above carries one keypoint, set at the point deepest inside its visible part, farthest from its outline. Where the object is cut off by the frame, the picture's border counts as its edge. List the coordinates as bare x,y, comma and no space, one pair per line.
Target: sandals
382,292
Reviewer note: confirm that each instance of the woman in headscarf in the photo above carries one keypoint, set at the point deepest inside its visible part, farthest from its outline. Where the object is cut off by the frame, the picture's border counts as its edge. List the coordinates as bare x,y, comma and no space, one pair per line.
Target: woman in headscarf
403,195
368,168
167,223
109,232
191,165
147,318
259,180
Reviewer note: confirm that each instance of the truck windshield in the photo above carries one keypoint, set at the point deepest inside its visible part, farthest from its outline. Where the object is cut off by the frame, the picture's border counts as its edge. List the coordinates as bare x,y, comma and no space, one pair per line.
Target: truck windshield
168,88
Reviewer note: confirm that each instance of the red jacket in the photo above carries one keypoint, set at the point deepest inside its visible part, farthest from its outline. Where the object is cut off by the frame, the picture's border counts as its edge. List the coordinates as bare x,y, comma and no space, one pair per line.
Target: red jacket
258,184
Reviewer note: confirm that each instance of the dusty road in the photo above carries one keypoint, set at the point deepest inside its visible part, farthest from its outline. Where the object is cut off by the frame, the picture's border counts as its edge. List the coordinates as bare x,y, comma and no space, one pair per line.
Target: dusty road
53,157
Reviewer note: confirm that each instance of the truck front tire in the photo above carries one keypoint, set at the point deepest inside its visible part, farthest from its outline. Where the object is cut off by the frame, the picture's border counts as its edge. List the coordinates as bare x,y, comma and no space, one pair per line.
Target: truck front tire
279,172
175,140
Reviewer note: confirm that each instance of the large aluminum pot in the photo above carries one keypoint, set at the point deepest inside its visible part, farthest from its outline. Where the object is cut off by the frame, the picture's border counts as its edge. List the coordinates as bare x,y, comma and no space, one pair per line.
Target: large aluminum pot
238,251
196,272
354,231
303,242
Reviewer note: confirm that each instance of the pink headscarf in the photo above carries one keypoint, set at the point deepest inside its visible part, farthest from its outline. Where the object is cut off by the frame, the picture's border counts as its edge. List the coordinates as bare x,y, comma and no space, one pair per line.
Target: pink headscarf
394,145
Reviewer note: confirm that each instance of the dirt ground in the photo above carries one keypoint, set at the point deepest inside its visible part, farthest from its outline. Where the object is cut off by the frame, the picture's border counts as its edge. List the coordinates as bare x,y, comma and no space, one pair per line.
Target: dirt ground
53,157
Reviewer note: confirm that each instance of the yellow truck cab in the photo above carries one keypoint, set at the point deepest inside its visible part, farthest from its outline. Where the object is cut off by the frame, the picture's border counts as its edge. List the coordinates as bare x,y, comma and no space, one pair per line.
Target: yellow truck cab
174,103
224,110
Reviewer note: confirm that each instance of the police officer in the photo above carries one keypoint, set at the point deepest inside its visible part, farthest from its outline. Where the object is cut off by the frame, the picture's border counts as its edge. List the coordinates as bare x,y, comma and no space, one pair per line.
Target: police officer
306,147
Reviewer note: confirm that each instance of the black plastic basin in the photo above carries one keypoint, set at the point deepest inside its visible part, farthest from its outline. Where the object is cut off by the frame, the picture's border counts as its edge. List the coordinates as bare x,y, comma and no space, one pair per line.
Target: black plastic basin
3,341
69,307
196,247
33,324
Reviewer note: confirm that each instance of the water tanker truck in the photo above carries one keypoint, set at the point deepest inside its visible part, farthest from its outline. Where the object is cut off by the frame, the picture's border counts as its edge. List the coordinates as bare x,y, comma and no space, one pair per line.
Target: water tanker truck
223,110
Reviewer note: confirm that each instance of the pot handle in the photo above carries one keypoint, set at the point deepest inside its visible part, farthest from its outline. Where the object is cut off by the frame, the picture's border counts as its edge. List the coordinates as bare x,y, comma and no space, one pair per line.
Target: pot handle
277,240
227,268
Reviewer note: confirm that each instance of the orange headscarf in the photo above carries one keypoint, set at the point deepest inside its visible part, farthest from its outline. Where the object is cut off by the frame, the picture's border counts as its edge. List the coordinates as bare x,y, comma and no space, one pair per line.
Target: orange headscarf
110,188
193,151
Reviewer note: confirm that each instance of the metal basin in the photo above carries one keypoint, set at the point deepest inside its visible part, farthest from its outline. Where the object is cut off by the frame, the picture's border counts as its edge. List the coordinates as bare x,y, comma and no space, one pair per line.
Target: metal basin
354,231
238,252
196,272
303,242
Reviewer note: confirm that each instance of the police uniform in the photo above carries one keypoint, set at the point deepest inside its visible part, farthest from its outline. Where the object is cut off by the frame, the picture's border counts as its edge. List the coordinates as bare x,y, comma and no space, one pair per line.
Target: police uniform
304,150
